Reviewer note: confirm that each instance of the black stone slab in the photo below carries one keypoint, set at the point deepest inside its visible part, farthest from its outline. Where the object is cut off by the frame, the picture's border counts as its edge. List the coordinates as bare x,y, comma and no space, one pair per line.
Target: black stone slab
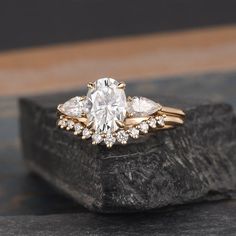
191,163
24,194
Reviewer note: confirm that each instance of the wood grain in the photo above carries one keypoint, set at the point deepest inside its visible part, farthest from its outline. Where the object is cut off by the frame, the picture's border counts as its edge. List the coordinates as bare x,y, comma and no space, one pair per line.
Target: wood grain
68,66
191,220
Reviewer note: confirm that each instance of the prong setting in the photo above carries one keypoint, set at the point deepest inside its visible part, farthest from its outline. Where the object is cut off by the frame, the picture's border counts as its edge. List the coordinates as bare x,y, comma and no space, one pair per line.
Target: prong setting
91,85
121,85
120,124
90,124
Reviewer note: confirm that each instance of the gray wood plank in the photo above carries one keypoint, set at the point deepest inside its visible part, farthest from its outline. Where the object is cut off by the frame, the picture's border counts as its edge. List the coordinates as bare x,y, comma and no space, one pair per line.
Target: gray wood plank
195,220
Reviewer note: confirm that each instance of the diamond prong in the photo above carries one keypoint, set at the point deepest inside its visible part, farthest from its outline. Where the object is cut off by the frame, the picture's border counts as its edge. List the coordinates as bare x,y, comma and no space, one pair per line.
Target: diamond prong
120,124
129,99
91,85
130,114
90,124
133,132
59,107
121,85
161,120
86,133
96,138
82,98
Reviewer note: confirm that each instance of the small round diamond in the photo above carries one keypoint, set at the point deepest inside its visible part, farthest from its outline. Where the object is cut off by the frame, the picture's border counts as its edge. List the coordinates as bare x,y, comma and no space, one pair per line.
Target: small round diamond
97,138
143,126
152,123
78,128
86,133
134,133
161,120
109,140
122,137
70,124
62,123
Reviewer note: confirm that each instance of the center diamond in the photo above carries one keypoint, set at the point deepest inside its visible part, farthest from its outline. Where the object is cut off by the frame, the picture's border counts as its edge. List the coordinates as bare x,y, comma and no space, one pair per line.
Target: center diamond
107,105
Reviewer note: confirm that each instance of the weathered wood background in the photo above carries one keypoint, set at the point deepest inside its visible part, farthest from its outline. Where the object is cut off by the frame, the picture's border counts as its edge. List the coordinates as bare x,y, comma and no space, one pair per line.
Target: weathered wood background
156,55
27,24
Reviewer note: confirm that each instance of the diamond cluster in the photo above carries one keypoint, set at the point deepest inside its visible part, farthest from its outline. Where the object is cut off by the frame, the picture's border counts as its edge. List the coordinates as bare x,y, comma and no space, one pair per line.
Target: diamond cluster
105,109
121,136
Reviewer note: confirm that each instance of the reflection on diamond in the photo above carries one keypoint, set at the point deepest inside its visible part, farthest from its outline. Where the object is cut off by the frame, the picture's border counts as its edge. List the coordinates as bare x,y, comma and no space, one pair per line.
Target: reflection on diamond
62,123
141,106
86,134
70,124
74,107
153,123
122,137
97,138
144,127
109,140
78,128
161,120
108,105
134,133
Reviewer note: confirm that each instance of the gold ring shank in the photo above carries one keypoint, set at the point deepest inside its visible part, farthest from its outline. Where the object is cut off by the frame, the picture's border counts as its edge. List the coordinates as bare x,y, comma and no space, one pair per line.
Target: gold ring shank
172,111
169,120
173,120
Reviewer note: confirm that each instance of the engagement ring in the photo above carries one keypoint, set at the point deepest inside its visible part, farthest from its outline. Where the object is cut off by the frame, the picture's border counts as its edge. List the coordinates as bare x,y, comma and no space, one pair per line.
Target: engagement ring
106,115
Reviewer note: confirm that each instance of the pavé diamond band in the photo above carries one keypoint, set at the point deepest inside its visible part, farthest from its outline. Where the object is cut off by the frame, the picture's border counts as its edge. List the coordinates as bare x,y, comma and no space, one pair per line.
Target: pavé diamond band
106,115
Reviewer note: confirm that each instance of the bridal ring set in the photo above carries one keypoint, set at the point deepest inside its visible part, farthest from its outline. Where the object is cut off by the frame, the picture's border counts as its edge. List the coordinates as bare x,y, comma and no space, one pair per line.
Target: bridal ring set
107,116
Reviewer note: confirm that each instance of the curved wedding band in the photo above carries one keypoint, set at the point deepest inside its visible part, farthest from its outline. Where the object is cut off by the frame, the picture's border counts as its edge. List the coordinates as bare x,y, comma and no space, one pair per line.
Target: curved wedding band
106,115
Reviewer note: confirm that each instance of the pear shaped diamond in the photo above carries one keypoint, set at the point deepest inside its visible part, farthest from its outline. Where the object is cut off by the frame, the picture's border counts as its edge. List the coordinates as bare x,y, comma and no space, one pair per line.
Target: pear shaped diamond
141,106
74,107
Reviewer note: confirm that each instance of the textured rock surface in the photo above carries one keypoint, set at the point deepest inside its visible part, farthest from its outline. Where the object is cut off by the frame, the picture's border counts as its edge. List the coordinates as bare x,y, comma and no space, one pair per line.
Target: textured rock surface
190,163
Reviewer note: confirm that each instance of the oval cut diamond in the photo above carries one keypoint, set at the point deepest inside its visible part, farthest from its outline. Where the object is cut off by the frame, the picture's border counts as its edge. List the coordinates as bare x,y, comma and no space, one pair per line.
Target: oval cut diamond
107,105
